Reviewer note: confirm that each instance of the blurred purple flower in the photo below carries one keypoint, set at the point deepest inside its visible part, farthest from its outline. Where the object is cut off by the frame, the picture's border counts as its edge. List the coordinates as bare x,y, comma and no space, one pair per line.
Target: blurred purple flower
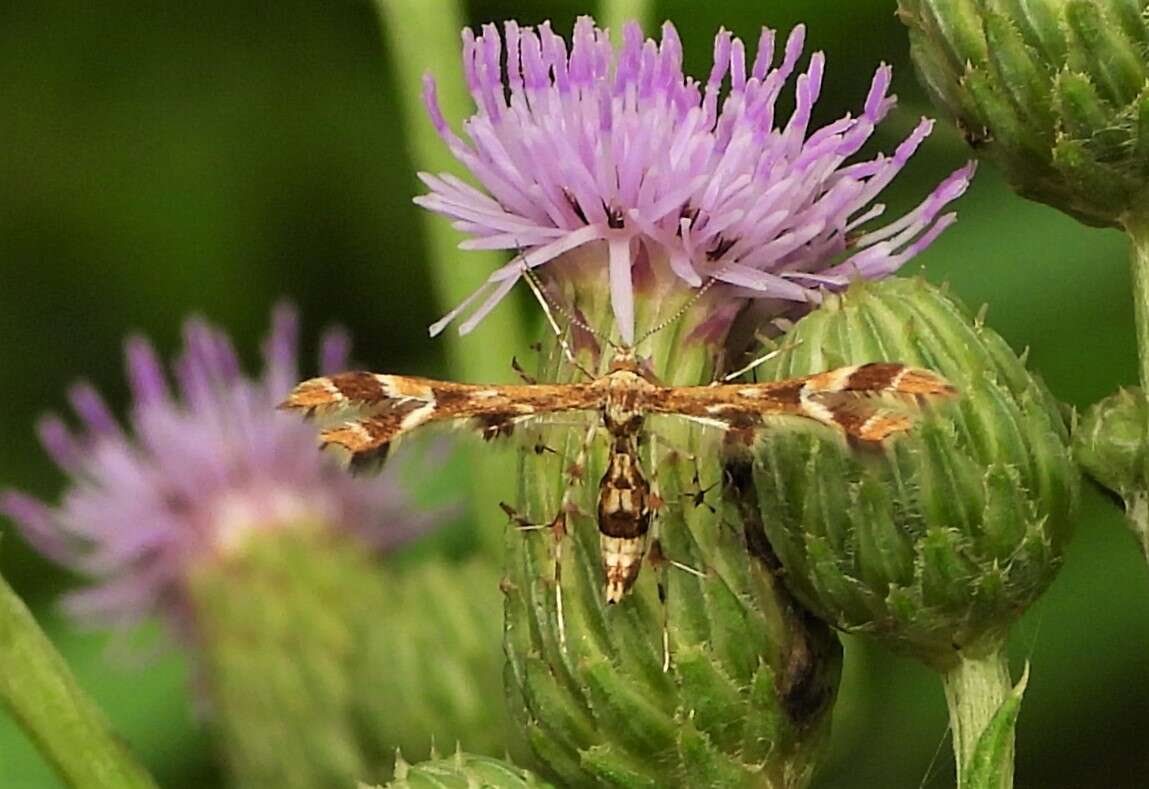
199,471
605,147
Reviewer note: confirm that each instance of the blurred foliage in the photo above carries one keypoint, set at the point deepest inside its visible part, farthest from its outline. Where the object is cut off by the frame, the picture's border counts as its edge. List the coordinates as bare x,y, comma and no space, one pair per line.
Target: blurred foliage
162,158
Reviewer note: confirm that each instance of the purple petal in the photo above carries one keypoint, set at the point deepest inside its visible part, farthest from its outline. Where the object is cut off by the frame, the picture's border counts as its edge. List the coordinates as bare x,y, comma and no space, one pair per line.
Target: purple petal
145,373
621,288
334,350
60,444
93,410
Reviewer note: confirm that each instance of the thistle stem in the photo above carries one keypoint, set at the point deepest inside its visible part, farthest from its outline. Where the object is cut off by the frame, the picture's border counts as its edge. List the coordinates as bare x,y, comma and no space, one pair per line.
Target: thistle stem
1137,516
613,14
1137,226
41,694
1138,230
423,37
975,689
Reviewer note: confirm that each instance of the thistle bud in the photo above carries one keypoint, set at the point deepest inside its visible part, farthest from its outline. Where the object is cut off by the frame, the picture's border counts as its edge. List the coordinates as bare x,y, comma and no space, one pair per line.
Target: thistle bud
278,667
215,511
706,673
463,771
1110,444
938,542
451,610
322,680
1052,91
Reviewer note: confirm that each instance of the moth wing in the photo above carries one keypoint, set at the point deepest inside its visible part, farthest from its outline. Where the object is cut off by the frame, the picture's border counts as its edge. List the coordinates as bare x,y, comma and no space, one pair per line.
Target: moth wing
383,408
847,398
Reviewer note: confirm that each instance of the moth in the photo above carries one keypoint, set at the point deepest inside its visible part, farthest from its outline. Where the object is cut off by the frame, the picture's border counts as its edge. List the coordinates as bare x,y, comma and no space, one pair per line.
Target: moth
382,408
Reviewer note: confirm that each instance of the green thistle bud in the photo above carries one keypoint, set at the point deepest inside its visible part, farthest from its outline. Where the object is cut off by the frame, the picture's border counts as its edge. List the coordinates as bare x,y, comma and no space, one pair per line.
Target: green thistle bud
1053,91
942,541
938,543
1110,444
463,771
432,667
739,692
316,658
279,625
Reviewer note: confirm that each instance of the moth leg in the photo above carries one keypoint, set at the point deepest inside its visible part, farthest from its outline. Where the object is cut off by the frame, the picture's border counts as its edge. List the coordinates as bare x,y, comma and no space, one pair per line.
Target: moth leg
558,525
659,561
756,363
575,472
698,497
655,555
558,529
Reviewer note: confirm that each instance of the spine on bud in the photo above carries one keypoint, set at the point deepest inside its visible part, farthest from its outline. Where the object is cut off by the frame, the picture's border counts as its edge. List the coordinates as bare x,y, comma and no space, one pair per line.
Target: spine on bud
463,770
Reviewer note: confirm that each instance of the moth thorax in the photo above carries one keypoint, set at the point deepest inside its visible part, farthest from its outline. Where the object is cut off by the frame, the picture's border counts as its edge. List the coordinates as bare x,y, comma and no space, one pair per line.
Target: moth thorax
624,407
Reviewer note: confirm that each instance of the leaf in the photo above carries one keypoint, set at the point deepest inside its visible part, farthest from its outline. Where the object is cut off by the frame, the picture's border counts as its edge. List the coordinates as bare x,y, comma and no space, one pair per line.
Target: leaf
991,764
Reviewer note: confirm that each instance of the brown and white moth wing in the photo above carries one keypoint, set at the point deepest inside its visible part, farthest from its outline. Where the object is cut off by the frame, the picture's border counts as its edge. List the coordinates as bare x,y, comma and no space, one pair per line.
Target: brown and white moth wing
839,398
879,378
390,406
354,390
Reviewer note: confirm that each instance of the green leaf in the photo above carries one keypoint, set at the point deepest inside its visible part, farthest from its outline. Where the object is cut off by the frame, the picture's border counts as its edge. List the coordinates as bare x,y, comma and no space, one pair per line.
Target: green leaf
991,764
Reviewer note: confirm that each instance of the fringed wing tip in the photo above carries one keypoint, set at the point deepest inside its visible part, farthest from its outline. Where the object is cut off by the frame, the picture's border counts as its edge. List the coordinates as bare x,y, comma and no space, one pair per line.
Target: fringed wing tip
311,395
920,382
354,447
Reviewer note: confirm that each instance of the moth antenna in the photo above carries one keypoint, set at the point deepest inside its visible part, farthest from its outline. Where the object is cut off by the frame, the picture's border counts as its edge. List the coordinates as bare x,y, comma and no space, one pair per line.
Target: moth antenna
710,282
537,290
549,308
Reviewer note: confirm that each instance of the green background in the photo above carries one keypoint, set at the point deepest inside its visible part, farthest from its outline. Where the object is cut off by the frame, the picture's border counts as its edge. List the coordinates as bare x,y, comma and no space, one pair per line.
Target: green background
159,159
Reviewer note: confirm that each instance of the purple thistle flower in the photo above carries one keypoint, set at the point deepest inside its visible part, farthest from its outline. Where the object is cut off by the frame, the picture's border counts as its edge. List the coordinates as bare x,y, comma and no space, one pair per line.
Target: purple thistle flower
617,149
199,471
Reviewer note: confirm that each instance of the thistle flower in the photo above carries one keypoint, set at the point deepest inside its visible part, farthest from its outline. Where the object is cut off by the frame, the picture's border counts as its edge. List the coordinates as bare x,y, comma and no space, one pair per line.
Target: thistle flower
624,158
938,545
198,474
644,199
217,512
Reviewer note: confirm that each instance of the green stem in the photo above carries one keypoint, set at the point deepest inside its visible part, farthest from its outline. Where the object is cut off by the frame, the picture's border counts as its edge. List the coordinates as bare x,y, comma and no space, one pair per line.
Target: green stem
423,37
1138,230
1137,227
1137,516
613,14
975,690
40,692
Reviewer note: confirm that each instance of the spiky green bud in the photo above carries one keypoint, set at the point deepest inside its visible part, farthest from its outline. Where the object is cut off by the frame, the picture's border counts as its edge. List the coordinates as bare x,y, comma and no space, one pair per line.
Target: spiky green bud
278,626
307,653
738,692
1052,91
432,666
1110,444
938,542
463,771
